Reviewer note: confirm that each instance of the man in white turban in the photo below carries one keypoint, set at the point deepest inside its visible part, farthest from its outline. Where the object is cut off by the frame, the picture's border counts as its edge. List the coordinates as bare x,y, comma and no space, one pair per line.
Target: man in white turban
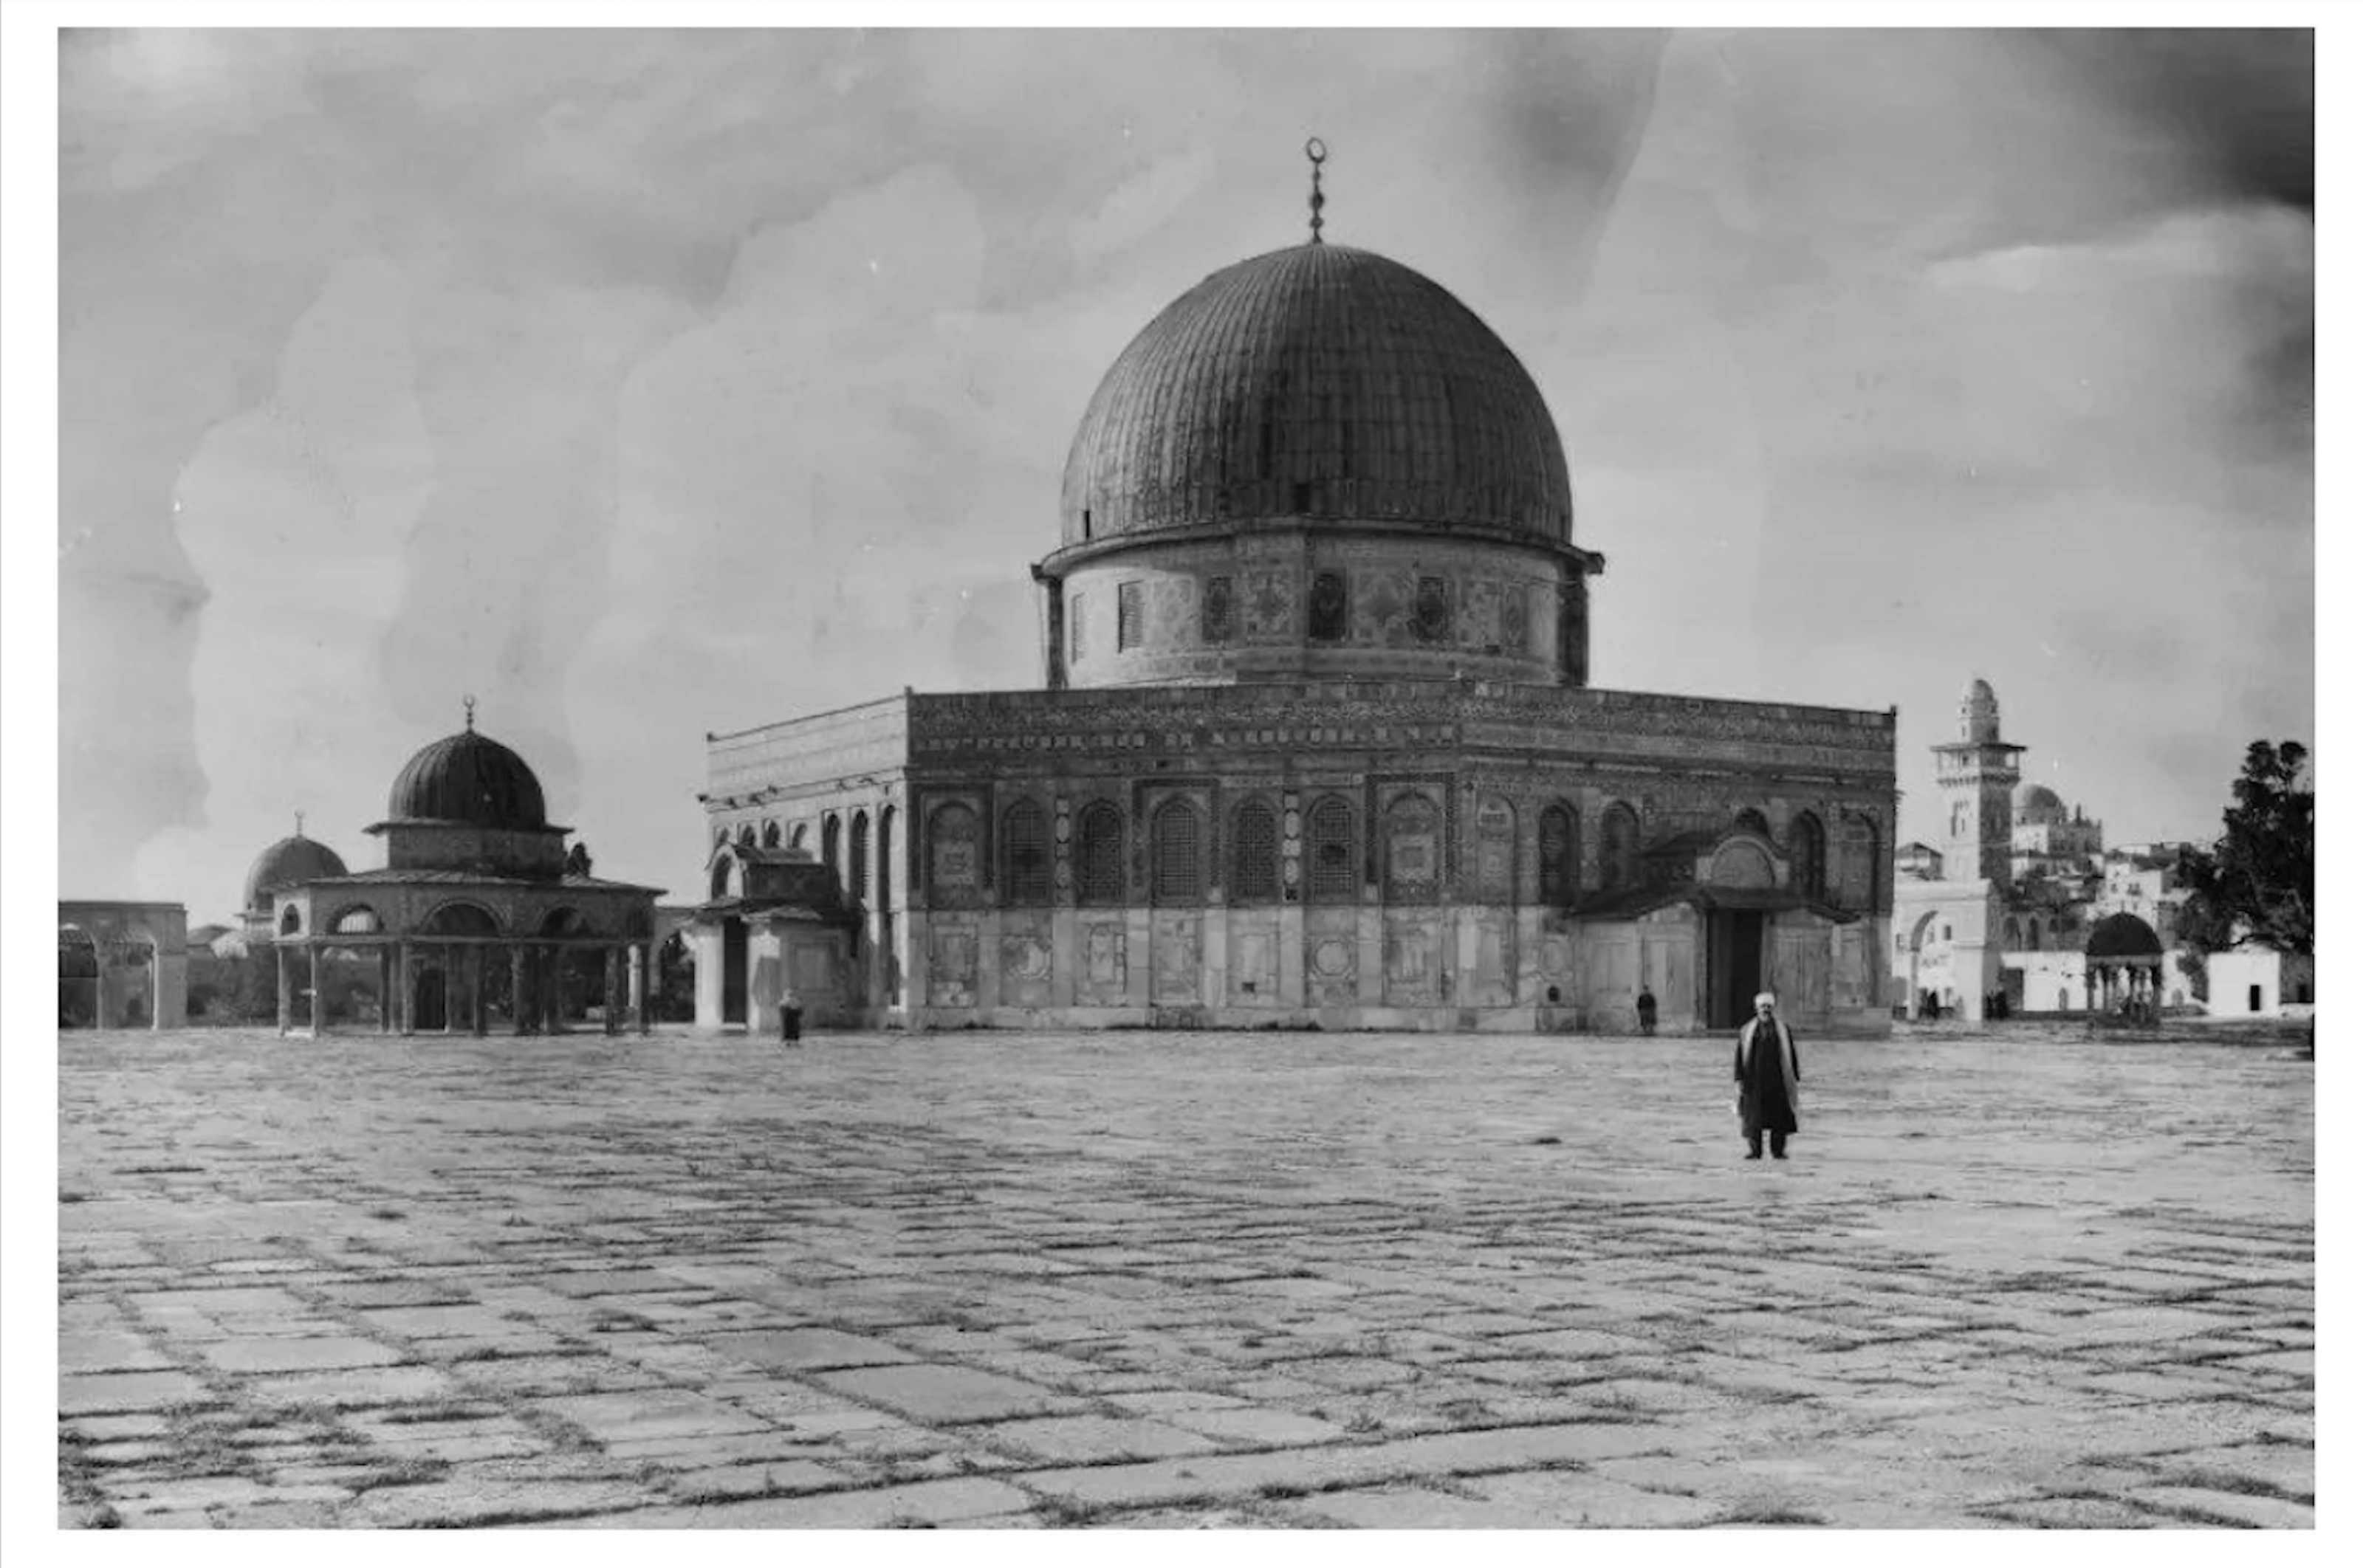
1765,1067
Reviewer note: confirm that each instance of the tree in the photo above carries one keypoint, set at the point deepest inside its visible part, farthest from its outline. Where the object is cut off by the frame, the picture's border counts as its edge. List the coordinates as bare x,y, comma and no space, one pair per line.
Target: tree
2257,883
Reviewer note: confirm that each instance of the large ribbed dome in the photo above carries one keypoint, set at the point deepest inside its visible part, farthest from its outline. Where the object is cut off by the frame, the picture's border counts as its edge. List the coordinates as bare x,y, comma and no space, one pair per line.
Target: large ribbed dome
1319,381
468,778
292,860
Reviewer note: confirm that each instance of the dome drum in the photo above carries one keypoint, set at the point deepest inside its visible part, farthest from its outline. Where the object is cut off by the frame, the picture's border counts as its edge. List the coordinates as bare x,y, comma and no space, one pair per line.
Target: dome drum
1314,605
469,803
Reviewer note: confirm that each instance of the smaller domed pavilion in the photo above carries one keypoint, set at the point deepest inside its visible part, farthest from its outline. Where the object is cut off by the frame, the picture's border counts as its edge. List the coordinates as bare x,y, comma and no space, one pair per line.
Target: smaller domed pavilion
474,870
2123,965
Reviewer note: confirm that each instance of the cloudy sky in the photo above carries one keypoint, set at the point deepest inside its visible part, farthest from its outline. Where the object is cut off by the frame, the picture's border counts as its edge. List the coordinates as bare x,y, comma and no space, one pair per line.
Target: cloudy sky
643,384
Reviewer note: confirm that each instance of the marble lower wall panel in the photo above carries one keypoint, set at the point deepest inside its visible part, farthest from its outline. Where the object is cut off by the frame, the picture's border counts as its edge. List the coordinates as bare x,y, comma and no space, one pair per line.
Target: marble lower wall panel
1472,968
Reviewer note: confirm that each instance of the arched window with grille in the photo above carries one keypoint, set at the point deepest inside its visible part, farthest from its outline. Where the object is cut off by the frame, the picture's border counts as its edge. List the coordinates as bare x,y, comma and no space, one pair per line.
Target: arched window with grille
771,835
1808,856
1411,850
886,859
1554,850
1254,855
829,828
1025,854
857,857
1858,863
1177,870
1334,872
1620,848
1099,854
746,834
952,872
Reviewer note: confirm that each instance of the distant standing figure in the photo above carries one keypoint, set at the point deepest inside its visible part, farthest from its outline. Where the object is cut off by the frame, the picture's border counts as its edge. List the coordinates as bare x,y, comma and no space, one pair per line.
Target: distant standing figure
1645,1005
1765,1067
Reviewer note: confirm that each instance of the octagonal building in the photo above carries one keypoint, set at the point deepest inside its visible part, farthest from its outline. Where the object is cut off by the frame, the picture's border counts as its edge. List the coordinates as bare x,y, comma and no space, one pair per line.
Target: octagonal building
1314,744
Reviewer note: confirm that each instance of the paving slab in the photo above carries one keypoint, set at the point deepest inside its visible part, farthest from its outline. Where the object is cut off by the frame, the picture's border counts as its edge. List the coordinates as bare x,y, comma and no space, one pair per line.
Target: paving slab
682,1280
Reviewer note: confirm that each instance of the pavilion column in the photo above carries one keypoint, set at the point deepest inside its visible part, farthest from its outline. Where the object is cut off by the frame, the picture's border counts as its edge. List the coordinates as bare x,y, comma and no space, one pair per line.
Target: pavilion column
521,1000
319,992
636,985
385,990
611,1015
453,989
156,975
646,1016
553,987
287,995
402,986
476,956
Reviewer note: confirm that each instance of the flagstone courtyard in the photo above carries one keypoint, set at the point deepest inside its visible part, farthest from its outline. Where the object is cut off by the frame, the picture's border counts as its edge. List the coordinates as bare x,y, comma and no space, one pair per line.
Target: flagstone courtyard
1170,1280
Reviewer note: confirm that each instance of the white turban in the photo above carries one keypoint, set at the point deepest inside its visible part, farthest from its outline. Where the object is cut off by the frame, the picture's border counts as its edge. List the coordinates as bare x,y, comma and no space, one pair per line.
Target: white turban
1764,998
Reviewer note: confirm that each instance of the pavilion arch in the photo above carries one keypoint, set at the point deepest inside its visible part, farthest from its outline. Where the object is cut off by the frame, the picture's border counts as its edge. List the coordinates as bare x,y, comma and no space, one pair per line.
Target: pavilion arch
356,919
564,921
1747,819
291,920
725,880
460,917
80,996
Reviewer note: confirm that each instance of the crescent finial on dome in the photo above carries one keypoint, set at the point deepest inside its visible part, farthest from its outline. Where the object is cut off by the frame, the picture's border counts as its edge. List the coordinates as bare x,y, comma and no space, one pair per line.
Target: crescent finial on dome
469,702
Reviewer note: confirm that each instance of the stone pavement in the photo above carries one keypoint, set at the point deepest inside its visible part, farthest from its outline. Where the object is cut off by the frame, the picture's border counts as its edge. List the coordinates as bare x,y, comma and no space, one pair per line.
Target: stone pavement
1167,1280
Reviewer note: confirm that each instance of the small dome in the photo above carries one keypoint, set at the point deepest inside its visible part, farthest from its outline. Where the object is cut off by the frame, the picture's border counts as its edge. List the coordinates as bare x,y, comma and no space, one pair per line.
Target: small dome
292,860
2122,936
2038,803
1318,381
1978,690
470,779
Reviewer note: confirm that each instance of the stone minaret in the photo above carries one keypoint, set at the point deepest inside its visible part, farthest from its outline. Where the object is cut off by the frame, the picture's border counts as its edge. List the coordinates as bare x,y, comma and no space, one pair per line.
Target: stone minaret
1975,775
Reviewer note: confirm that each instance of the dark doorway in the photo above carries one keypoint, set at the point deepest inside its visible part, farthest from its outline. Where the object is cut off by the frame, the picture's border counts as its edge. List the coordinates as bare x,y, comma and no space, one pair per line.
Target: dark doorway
426,1011
733,970
1735,965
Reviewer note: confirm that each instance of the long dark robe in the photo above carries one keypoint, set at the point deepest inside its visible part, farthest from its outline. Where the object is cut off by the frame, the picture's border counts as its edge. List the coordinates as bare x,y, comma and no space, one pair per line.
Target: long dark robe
1764,1102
